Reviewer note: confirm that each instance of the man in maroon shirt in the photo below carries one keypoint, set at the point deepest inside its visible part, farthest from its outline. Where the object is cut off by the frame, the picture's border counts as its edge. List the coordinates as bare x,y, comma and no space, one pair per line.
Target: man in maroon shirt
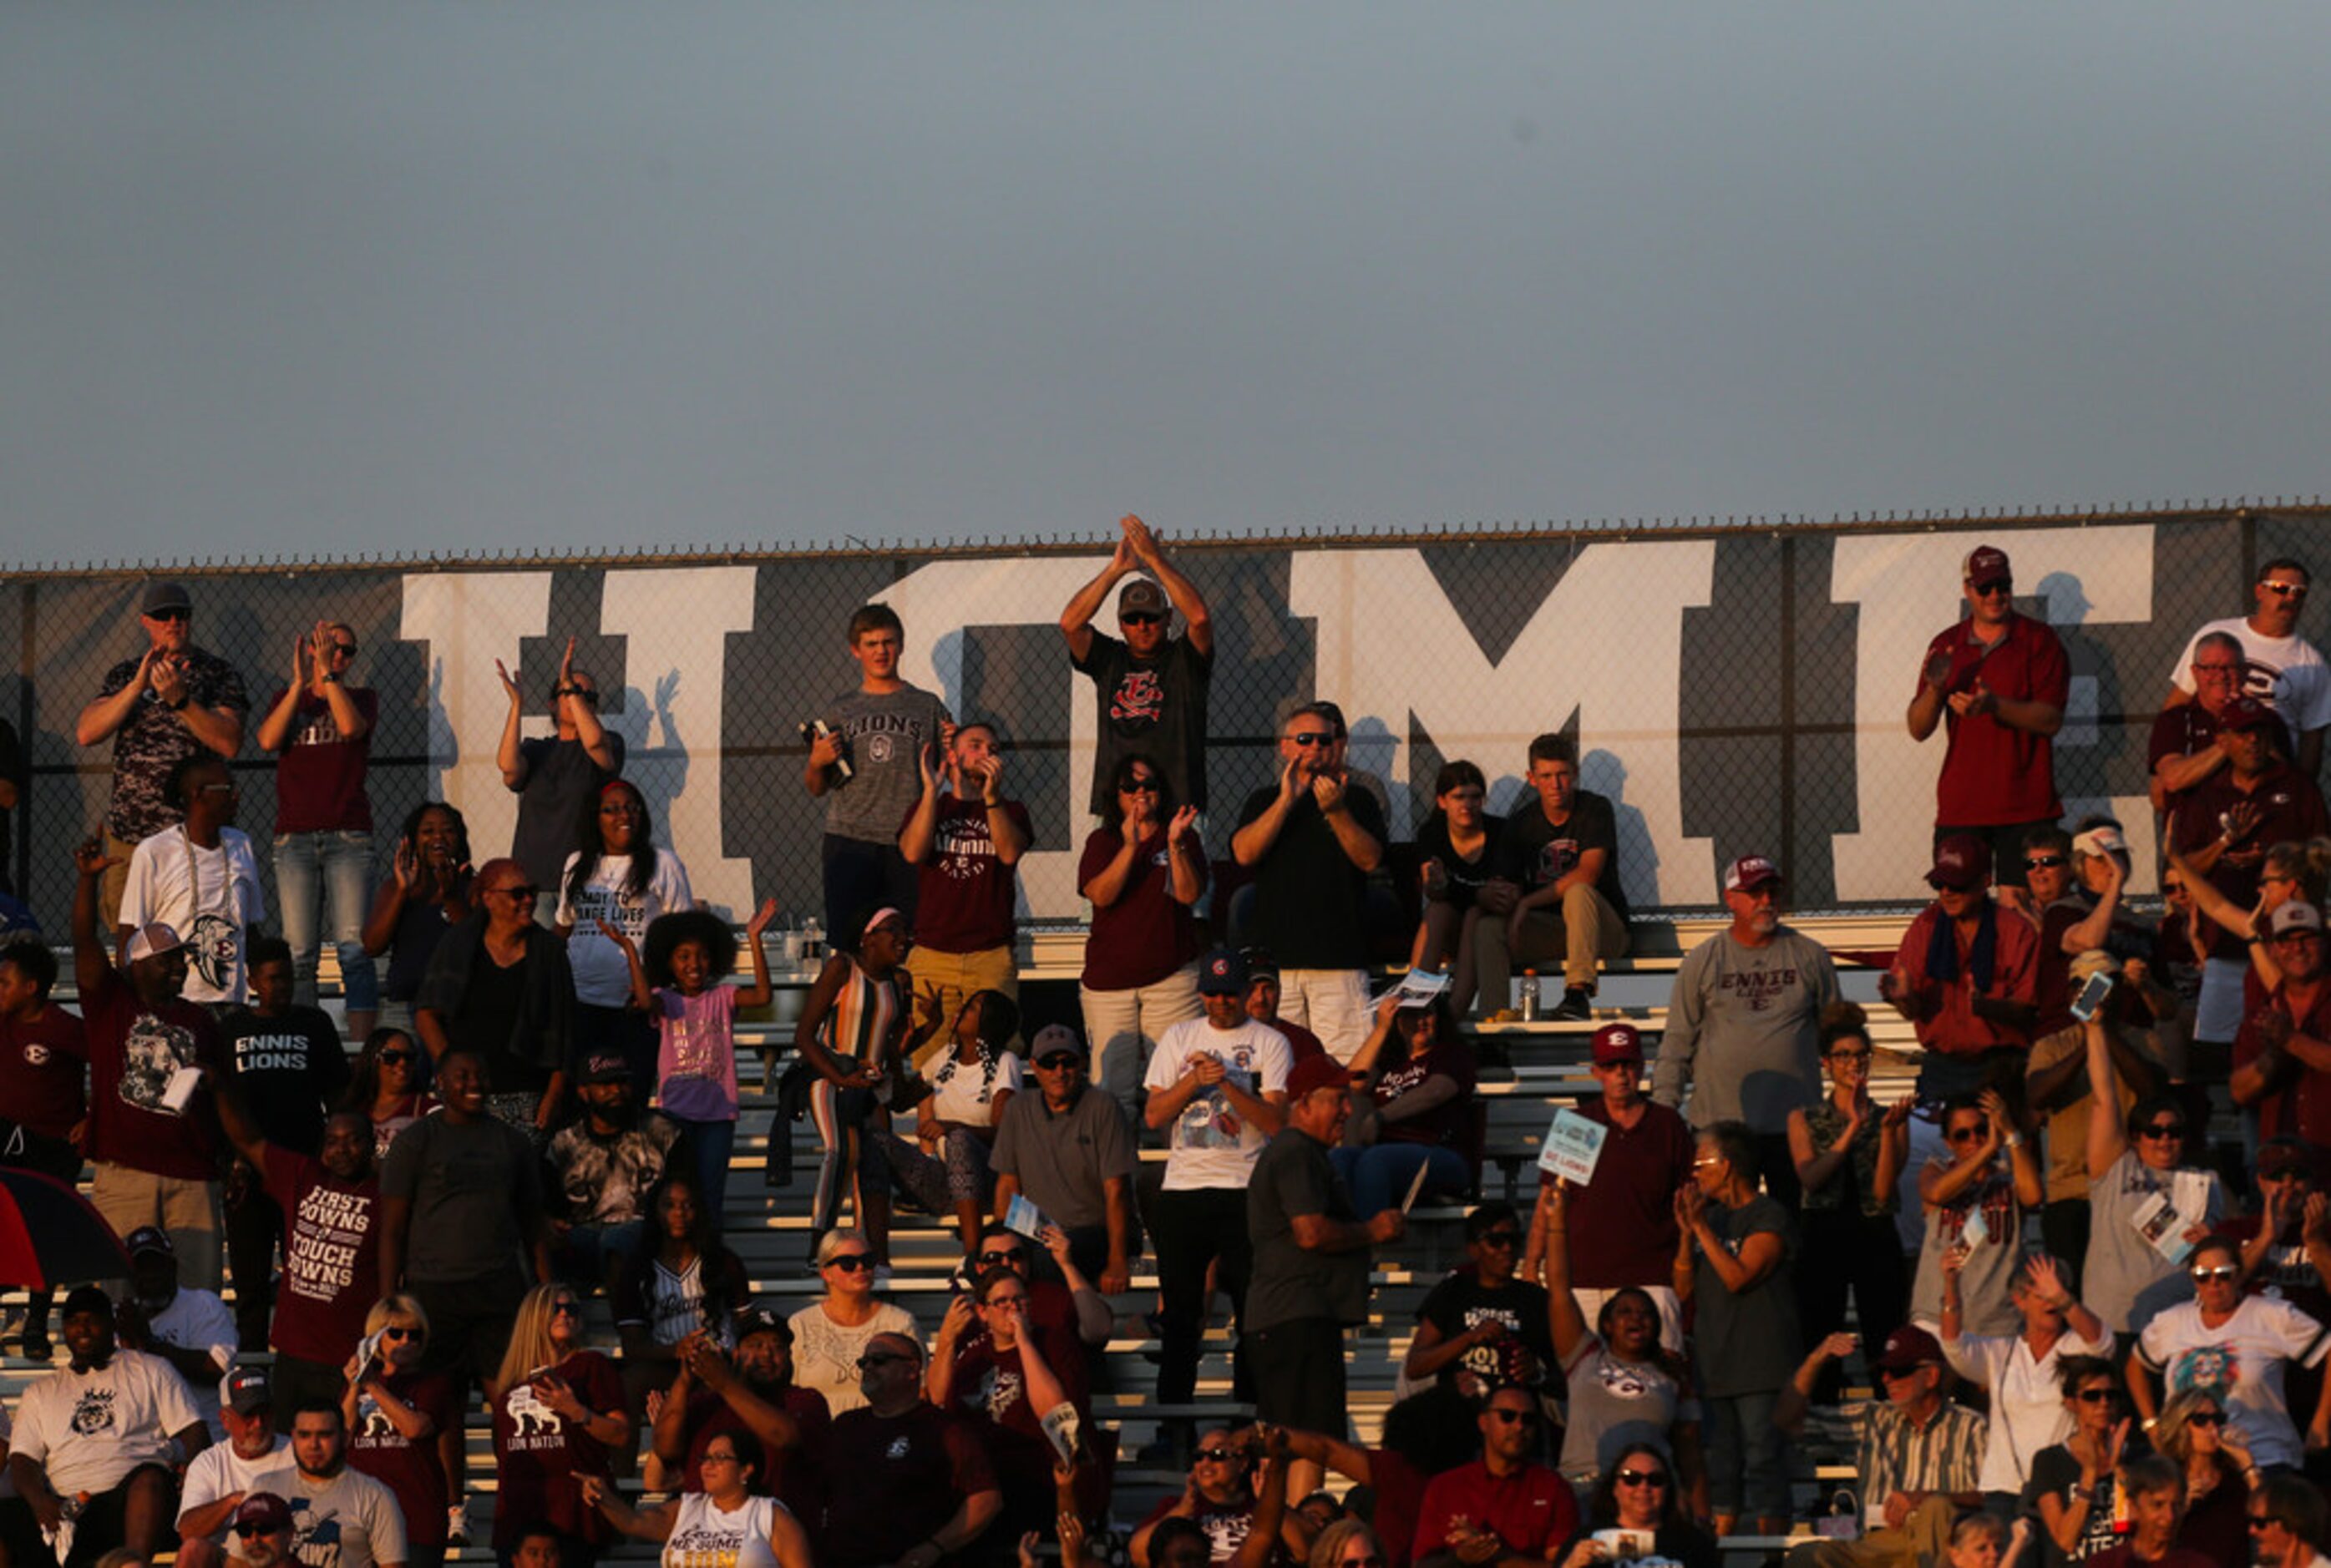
2283,1057
964,839
906,1484
1500,1506
41,1055
331,1253
1622,1224
1967,976
750,1396
156,1152
1997,681
2185,748
2225,826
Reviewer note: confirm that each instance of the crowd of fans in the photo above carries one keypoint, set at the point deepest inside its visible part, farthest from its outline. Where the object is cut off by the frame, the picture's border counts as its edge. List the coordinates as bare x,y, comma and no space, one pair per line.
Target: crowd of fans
2096,1334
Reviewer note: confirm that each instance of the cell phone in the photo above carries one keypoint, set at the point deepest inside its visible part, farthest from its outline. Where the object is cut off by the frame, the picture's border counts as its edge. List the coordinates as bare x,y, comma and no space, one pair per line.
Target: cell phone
2091,997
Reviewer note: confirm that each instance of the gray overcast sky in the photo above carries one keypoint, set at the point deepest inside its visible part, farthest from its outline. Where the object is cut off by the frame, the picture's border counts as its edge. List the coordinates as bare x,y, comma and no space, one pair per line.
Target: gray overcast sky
321,279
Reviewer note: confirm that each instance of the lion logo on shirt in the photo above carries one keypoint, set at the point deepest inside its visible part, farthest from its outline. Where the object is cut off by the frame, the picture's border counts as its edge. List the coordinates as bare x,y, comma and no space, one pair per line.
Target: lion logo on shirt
154,1050
529,1415
2214,1369
92,1413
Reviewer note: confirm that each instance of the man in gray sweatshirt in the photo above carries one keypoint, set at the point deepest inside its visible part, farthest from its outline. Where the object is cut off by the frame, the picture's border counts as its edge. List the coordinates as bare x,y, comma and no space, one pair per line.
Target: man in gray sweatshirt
1744,1024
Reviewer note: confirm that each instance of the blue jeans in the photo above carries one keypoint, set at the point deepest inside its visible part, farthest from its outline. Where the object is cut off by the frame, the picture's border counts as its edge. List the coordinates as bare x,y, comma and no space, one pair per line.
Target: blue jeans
1379,1175
307,865
1747,1471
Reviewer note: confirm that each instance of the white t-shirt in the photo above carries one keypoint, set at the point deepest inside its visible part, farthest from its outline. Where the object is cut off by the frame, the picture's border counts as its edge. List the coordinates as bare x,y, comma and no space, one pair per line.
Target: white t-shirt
702,1536
2286,673
210,897
218,1471
199,1320
350,1521
89,1429
602,976
2240,1361
825,1353
2027,1403
1214,1146
962,1092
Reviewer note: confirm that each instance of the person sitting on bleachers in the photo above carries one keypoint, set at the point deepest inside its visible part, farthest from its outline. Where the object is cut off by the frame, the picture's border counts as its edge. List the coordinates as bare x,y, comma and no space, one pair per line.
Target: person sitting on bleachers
2157,1508
2144,1191
1641,1492
971,1082
1067,1149
404,1425
681,1280
1227,1497
2193,1433
2018,1370
1623,1229
1623,1388
343,1517
832,1334
907,1484
716,1523
752,1398
600,1168
1424,1434
1744,1022
103,1429
558,1414
1966,976
185,1325
222,1474
1733,1264
1413,1107
1484,1325
1457,858
1008,1383
1503,1506
1918,1456
1262,999
1067,1311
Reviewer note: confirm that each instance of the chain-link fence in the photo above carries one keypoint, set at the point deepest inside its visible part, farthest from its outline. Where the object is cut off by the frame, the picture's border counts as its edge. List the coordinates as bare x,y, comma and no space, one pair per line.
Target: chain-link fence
1731,689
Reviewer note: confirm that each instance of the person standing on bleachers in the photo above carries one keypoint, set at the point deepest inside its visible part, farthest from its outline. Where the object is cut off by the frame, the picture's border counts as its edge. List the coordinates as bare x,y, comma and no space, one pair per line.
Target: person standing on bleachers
2018,1371
1311,839
601,1168
1849,1152
1144,870
554,775
1966,975
1066,1148
1150,687
157,1153
1743,1028
1557,879
752,1397
176,701
1624,1226
44,1056
500,989
199,877
964,841
1996,682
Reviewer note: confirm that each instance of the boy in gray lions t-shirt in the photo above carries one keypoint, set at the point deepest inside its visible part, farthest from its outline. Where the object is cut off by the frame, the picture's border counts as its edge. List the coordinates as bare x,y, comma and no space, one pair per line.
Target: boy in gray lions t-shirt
865,761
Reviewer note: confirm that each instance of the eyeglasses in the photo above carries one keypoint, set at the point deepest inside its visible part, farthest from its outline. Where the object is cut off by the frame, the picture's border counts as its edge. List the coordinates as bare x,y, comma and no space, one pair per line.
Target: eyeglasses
1509,1416
1850,1054
565,1309
2162,1130
2206,1418
169,615
2287,590
719,1459
874,1358
1996,586
2041,862
1642,1478
2097,1395
1012,1257
1501,1238
1311,736
1218,1456
854,1262
1140,786
1004,1301
393,1057
2222,1271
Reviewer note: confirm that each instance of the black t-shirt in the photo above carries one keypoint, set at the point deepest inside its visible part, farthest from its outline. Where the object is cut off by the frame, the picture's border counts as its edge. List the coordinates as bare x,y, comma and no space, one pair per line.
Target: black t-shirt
2054,1469
1309,899
489,1018
1533,851
1461,1302
560,778
1466,878
892,1481
1155,706
290,1069
1292,1176
474,1191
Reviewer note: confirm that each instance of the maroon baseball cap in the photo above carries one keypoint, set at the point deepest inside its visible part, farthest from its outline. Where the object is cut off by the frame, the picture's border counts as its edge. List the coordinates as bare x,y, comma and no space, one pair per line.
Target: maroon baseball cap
1748,873
1617,1042
1985,564
1316,1072
1962,862
261,1511
2246,713
1909,1346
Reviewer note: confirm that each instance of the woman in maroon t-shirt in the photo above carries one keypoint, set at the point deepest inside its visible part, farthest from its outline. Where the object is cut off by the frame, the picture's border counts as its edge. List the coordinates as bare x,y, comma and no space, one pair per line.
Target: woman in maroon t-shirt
404,1425
1419,1077
385,1086
559,1415
1143,873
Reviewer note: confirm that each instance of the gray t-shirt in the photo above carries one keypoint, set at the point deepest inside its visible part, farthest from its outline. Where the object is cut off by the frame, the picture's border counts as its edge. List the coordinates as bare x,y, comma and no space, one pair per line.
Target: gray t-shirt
1746,1343
1615,1402
1743,1030
350,1521
474,1188
1061,1161
1987,1217
2127,1280
1292,1176
883,737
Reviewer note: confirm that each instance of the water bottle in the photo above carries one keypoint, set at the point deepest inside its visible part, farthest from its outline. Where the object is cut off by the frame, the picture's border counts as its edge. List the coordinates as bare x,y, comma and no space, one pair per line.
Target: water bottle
1529,996
812,943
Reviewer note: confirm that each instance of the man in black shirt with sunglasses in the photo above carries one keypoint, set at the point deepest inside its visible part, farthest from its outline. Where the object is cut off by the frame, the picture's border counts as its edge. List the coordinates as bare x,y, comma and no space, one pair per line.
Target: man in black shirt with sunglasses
1151,685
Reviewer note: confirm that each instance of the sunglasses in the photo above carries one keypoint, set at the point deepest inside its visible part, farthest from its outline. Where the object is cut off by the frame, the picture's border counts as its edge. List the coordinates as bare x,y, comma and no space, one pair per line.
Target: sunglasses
1004,1301
1218,1456
1141,618
169,615
854,1262
1140,786
400,1334
874,1358
2162,1130
565,1309
345,649
991,1258
2206,1418
524,892
1642,1478
580,693
1501,1238
216,789
1311,736
719,1459
393,1057
247,1531
1704,1161
2097,1395
2222,1271
1966,1135
1895,1374
1509,1416
1996,586
1059,1062
2288,590
2041,862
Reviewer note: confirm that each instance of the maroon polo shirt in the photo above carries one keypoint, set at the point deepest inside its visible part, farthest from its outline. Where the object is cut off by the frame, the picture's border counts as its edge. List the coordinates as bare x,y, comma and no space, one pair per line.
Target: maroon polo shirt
2301,1105
1531,1510
1947,1021
2289,807
2179,731
1994,774
1622,1225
